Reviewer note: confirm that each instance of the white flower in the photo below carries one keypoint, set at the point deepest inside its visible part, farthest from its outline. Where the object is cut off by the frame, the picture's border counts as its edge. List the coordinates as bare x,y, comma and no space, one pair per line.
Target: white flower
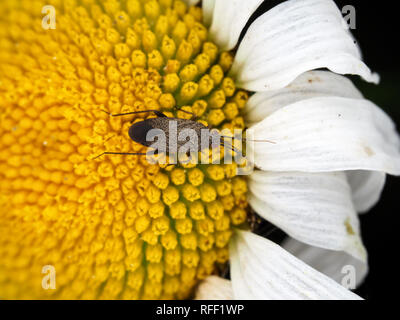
333,149
115,227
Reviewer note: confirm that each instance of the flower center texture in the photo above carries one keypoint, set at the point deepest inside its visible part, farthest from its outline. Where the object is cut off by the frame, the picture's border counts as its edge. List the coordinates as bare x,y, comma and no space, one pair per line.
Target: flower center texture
115,227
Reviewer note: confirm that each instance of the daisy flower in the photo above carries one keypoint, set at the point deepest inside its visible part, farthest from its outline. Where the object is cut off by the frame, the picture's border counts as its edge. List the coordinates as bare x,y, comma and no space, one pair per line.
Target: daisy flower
119,227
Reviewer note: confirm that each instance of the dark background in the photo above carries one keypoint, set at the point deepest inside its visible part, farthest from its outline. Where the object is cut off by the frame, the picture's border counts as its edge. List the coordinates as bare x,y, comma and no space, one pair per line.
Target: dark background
377,32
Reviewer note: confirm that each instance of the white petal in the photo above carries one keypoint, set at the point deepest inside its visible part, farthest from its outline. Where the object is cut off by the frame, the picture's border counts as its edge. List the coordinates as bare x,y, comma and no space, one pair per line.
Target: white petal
191,2
214,288
308,85
294,37
327,134
208,8
367,187
334,264
228,20
315,208
261,269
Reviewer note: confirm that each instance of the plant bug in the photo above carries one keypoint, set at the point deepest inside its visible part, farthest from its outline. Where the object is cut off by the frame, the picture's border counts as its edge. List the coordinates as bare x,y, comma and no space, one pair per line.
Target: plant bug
195,132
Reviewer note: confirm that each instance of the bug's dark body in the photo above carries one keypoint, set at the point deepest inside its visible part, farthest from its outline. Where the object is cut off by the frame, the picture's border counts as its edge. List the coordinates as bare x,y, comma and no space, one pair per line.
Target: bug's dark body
177,135
180,135
138,132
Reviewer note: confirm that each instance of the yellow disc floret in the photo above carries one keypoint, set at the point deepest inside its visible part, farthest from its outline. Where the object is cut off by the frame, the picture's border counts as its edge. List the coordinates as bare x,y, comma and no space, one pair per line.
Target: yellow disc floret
117,227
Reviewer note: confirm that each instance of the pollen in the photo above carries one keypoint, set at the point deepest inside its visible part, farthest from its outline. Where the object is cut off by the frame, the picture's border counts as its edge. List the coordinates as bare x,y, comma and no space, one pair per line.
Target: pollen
114,227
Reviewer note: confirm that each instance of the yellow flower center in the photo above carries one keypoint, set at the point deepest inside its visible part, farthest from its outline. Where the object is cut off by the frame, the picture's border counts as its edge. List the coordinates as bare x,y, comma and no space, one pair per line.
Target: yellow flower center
117,226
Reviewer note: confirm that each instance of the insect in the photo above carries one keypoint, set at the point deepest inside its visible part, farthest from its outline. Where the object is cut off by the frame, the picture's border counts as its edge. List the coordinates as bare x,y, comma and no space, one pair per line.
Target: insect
195,132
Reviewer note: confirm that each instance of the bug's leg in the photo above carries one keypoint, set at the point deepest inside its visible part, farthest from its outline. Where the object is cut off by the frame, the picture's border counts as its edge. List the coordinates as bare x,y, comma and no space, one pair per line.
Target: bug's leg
109,138
181,157
231,147
244,140
122,153
193,114
190,156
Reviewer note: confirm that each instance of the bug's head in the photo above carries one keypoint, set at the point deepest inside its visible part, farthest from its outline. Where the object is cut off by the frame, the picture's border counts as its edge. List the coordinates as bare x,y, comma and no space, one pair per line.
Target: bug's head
138,132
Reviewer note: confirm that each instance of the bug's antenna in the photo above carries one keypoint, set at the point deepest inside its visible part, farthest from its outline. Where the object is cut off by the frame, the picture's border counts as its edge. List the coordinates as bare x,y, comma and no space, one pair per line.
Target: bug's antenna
157,112
121,153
